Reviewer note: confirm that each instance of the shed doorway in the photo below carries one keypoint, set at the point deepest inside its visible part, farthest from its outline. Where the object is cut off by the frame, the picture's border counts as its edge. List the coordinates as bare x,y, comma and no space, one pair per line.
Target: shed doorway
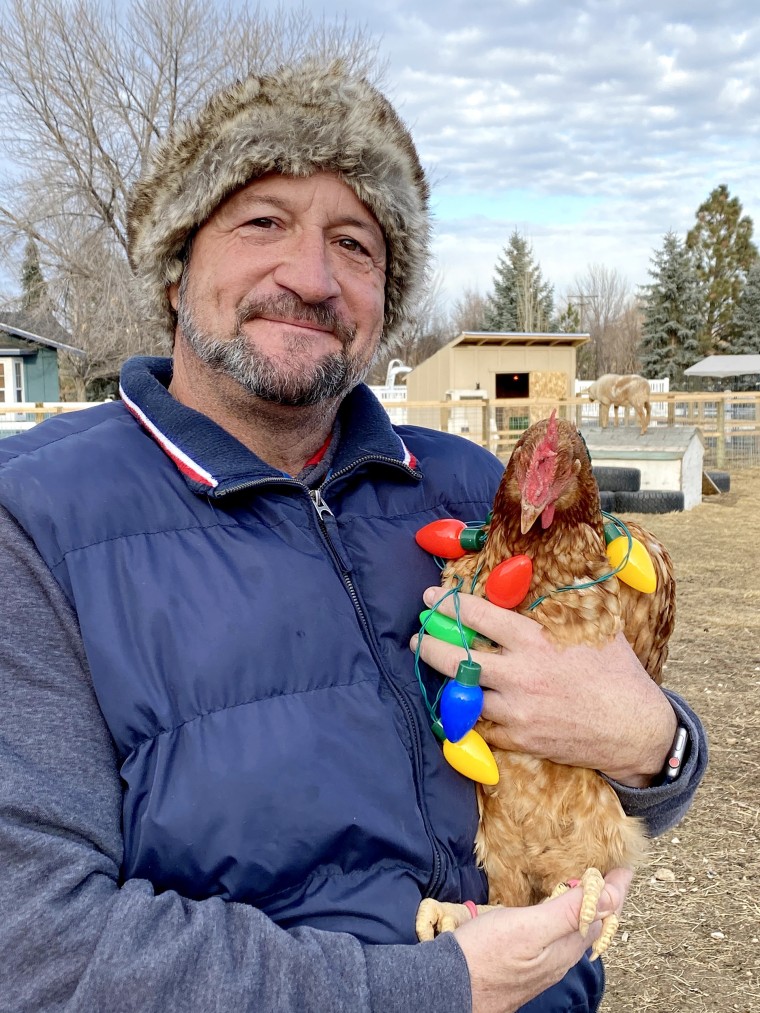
510,385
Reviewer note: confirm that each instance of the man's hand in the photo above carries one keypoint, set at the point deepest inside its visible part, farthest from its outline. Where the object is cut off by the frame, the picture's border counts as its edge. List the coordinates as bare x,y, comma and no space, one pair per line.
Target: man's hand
583,706
514,954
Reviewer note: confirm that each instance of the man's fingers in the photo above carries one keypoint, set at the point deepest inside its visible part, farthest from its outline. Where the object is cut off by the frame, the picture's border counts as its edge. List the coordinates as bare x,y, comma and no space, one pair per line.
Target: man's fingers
503,626
616,884
558,918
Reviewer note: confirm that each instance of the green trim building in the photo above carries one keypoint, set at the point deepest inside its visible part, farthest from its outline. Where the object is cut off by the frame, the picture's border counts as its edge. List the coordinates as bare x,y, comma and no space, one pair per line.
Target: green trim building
29,347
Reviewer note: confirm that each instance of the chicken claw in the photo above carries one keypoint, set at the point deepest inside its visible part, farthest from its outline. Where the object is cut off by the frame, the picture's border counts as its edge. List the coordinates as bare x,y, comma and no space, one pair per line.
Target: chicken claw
435,916
592,882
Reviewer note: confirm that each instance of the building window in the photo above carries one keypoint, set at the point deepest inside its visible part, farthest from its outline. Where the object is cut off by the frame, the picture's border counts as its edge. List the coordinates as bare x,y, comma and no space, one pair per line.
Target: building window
11,380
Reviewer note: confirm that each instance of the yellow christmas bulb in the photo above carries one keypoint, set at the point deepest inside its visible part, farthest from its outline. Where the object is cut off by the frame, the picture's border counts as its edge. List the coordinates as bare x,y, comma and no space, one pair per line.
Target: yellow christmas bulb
472,757
639,570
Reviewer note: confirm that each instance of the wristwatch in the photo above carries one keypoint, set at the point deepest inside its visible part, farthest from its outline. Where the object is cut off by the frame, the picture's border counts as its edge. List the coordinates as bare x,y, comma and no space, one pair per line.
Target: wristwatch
674,762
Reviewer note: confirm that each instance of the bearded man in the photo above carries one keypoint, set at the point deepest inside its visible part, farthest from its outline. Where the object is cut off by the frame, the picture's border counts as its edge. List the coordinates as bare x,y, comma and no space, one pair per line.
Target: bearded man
219,787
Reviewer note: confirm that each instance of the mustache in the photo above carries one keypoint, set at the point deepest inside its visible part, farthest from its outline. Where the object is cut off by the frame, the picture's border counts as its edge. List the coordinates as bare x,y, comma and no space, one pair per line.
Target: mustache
293,308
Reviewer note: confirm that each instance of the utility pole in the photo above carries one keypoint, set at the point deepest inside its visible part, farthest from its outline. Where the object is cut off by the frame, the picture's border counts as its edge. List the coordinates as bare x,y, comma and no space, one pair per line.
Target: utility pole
584,299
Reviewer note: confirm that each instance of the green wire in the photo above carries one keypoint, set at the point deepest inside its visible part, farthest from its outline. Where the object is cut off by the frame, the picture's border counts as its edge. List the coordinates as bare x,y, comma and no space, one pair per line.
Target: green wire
590,583
441,563
432,708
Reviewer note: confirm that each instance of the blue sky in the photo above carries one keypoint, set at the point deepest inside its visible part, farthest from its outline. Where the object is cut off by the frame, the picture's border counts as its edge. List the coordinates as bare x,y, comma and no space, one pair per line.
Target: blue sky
591,127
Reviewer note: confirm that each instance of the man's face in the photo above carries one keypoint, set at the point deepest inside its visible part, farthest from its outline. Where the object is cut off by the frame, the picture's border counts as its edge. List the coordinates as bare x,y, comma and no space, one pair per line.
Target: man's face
285,289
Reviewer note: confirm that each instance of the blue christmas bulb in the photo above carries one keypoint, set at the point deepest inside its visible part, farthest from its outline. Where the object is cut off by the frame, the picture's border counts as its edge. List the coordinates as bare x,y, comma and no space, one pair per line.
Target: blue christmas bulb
462,701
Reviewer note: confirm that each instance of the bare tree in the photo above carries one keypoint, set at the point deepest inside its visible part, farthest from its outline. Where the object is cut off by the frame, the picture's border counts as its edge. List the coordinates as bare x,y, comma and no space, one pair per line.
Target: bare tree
468,312
605,304
86,87
427,330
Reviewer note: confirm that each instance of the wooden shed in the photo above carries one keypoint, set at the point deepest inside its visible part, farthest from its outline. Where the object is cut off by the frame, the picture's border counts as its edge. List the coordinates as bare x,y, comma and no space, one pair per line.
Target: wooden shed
503,365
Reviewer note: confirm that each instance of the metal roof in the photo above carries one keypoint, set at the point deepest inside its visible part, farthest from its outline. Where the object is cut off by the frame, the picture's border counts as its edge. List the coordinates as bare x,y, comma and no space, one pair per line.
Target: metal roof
725,365
38,338
504,338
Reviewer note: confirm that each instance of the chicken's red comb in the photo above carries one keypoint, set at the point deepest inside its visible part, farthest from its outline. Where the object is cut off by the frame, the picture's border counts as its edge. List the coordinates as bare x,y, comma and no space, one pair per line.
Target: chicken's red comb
541,469
548,444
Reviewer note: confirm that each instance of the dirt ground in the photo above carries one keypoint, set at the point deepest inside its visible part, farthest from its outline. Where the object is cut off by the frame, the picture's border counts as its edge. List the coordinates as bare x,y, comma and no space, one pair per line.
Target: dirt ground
690,936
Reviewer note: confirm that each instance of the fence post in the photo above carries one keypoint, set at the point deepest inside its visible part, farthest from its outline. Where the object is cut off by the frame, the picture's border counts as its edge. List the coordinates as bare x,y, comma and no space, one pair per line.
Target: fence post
444,418
720,421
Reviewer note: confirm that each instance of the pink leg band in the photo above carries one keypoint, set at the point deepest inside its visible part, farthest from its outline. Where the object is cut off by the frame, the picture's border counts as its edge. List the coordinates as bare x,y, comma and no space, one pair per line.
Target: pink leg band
471,907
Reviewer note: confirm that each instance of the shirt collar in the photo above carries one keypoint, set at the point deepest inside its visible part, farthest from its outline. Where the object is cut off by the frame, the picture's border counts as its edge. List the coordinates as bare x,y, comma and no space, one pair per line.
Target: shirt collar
213,462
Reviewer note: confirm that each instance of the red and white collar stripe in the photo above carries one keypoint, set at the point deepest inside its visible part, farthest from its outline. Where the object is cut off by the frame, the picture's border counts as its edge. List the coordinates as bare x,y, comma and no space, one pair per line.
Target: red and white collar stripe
185,464
409,458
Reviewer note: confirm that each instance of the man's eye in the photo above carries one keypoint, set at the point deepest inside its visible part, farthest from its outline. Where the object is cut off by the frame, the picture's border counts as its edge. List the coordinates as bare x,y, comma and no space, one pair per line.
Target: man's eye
262,223
352,244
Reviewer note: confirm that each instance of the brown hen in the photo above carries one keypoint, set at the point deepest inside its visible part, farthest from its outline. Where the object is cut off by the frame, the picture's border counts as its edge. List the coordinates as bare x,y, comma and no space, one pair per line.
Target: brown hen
544,822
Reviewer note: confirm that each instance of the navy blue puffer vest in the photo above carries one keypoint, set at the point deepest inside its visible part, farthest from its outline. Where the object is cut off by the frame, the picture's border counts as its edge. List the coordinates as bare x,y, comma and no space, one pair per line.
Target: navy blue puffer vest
250,653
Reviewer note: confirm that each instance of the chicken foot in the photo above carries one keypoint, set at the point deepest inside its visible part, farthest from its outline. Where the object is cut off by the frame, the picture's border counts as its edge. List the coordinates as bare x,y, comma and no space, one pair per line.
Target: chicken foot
435,916
592,883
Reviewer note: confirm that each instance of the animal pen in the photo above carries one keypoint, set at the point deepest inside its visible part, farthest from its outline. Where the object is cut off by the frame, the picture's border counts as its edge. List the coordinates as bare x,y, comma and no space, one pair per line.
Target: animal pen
728,421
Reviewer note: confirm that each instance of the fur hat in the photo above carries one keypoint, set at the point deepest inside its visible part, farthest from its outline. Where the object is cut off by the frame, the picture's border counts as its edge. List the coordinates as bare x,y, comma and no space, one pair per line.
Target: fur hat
297,121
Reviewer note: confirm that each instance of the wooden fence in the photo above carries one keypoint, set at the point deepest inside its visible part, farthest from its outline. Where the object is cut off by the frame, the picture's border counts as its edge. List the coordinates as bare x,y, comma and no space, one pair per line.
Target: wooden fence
729,421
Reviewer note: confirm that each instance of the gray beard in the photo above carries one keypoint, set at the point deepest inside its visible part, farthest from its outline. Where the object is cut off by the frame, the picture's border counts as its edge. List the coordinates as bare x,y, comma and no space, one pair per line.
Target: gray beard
330,378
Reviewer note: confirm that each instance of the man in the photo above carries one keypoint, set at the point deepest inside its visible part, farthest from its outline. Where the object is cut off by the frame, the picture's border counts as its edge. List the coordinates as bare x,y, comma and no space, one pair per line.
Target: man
219,786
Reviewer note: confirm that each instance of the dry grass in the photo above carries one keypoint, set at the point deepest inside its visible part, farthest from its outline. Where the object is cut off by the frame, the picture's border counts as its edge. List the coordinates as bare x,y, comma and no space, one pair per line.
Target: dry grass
690,938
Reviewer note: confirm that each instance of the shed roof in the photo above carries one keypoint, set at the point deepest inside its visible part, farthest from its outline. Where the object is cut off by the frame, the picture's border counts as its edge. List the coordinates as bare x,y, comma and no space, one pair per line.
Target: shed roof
725,365
504,338
9,328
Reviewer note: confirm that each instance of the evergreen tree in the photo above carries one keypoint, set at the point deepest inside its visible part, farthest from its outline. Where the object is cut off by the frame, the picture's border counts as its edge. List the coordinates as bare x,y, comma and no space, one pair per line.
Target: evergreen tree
33,288
672,315
747,316
521,299
721,242
569,320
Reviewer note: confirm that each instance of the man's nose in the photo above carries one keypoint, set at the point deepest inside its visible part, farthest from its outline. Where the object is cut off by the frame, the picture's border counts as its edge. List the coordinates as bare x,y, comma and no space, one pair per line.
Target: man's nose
306,267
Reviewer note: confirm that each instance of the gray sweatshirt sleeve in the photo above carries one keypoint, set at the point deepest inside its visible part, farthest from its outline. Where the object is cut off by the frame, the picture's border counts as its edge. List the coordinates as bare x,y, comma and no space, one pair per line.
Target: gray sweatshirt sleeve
663,806
73,937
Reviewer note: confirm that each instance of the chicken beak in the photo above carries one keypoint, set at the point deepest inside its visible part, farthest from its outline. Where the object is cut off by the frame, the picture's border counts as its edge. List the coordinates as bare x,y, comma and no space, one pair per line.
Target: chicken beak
528,516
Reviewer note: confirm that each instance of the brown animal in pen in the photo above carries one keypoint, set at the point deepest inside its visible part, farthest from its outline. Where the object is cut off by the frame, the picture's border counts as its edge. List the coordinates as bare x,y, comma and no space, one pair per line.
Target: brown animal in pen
622,391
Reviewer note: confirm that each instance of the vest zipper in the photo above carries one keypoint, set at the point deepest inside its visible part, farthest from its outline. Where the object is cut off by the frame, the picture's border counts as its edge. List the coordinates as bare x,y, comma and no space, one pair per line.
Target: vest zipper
324,513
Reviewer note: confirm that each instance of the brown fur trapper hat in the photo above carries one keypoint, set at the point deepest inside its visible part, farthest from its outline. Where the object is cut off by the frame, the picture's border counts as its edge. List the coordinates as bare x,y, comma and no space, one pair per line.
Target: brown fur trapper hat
297,121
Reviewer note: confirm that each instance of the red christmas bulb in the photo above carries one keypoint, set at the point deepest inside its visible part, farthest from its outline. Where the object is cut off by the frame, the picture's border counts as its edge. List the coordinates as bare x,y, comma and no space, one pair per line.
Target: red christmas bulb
509,582
441,538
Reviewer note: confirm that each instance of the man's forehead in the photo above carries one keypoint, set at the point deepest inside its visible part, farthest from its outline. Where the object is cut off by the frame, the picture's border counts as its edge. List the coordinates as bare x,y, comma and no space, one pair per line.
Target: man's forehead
292,192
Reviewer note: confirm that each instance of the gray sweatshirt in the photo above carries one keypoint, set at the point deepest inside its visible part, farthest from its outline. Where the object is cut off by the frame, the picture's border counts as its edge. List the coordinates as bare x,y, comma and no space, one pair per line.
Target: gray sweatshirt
75,937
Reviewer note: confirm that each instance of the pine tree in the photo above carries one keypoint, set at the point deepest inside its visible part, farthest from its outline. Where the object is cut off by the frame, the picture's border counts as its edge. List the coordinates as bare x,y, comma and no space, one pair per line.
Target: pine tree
747,316
34,290
672,315
721,242
521,299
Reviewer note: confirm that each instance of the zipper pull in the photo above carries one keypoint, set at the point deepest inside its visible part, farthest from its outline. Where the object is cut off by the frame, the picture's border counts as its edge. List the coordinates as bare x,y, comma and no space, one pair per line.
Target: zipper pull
319,504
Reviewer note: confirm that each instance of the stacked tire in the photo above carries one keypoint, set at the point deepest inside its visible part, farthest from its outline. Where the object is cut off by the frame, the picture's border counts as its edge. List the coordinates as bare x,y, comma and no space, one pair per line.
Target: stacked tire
621,487
721,480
